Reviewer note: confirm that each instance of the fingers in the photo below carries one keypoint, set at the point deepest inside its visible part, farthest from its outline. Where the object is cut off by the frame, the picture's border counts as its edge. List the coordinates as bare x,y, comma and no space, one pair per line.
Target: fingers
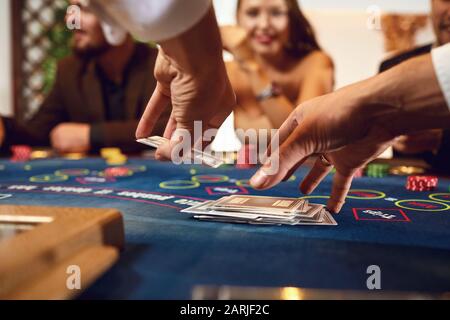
282,134
293,151
158,102
164,149
341,186
318,172
288,127
293,169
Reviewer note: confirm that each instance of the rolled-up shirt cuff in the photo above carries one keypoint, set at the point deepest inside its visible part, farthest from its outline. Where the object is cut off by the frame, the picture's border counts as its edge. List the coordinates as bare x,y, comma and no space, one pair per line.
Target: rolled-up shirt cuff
151,20
441,62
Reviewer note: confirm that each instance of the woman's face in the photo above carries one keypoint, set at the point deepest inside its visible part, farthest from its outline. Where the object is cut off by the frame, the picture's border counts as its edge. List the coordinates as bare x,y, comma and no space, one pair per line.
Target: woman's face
267,24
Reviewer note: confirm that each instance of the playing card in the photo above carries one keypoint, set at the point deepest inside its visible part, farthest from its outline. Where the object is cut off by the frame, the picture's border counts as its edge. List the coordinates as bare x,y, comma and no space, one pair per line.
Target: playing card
196,154
205,209
315,214
273,205
154,142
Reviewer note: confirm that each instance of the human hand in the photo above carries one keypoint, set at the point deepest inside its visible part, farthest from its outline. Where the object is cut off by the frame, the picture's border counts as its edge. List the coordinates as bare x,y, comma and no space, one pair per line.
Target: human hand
71,137
419,142
345,137
352,126
191,75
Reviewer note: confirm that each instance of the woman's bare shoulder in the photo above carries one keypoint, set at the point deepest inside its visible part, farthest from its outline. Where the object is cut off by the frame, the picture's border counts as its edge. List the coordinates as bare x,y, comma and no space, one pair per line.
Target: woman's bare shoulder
318,58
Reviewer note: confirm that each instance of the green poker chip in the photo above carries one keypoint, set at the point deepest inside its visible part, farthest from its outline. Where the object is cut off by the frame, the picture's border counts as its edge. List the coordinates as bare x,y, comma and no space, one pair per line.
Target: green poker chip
377,170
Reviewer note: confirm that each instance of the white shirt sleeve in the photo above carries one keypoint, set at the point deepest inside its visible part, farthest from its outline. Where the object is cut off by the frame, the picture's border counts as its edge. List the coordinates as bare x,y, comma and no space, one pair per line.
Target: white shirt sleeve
441,62
148,20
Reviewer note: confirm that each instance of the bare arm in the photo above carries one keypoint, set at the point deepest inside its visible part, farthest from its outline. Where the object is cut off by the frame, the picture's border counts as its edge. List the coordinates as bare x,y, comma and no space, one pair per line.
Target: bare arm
368,116
191,74
319,79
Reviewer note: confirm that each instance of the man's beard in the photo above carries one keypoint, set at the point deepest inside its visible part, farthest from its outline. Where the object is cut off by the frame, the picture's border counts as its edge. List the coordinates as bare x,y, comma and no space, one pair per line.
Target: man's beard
91,52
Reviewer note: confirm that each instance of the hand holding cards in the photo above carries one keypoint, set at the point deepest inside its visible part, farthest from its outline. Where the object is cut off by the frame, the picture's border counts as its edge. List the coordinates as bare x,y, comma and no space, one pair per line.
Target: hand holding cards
196,154
262,211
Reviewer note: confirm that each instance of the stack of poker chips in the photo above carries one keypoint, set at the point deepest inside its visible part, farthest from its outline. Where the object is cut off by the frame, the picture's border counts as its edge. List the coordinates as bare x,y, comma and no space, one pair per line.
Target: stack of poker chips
406,170
113,156
377,170
21,153
421,183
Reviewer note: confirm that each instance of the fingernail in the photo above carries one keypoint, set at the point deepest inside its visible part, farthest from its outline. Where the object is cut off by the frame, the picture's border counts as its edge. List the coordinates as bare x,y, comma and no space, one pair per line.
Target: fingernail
337,207
259,180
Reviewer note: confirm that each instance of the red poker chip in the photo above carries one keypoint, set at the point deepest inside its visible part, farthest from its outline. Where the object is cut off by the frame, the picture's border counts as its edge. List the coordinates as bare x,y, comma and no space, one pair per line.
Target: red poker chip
20,153
421,183
117,172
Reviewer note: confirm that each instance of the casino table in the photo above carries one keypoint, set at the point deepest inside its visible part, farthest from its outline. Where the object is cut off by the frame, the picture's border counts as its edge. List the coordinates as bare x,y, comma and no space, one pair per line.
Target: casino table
168,253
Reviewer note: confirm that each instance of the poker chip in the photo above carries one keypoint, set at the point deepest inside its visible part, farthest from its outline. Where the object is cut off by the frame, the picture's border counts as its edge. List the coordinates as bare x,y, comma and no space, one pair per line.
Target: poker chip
21,153
113,156
421,183
118,172
247,157
74,156
406,170
41,154
117,160
107,153
377,170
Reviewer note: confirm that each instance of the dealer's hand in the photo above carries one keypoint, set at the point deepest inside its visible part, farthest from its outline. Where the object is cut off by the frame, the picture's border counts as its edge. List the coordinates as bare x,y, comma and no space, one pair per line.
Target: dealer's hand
353,125
191,76
343,138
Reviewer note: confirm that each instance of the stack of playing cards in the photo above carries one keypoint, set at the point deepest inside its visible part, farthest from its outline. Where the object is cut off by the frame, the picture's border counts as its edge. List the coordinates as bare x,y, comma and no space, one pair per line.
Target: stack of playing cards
196,154
262,211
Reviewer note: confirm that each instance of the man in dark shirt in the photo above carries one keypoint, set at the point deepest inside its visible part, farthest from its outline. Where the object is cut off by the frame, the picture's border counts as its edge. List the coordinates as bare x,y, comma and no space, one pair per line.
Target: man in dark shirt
99,95
434,145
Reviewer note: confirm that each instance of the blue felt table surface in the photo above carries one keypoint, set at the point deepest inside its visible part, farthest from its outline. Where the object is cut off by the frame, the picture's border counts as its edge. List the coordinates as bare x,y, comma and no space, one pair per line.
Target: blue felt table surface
168,253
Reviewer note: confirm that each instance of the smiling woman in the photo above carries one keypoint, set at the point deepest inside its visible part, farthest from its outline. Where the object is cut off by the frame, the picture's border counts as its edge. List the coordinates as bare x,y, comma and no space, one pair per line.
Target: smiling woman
278,62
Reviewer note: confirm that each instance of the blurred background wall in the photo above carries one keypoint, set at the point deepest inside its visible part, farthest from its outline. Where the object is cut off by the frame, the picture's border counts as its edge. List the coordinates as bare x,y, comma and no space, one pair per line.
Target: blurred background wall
341,27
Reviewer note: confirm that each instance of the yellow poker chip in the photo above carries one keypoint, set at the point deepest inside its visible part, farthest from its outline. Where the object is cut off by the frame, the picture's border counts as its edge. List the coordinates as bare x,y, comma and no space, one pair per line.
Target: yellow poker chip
406,170
74,156
41,154
117,160
110,152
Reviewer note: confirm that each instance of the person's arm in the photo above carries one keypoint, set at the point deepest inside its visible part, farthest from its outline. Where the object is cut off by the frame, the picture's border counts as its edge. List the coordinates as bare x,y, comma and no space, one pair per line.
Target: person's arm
407,98
191,74
275,106
148,20
319,79
366,117
35,132
268,111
